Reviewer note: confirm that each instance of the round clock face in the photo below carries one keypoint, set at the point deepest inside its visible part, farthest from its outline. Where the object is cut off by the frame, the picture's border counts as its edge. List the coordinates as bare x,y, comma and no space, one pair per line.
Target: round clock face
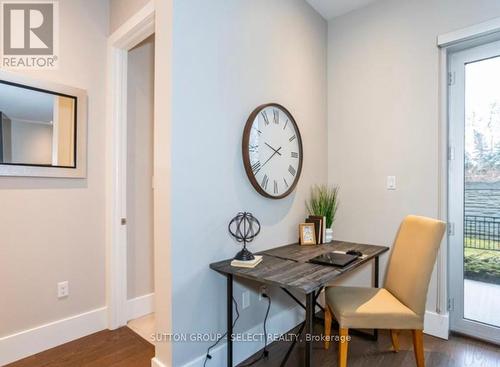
272,151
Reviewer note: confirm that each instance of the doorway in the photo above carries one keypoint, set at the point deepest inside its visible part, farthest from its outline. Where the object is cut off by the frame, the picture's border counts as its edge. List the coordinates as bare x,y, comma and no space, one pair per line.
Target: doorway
474,191
128,38
139,192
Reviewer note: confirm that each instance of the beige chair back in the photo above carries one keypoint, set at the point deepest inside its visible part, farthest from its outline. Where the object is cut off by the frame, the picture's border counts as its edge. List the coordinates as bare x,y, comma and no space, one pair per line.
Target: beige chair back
412,260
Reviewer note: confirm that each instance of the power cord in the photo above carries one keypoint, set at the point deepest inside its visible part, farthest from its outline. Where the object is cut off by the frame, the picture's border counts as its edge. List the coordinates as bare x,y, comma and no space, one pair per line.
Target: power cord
208,356
265,352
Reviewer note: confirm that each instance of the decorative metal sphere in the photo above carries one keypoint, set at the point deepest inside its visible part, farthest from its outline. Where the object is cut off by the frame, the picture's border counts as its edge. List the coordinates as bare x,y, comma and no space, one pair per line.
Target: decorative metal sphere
244,227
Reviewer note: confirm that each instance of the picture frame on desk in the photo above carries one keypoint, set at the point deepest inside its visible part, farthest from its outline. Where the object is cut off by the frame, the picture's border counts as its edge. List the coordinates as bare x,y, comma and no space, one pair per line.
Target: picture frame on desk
307,234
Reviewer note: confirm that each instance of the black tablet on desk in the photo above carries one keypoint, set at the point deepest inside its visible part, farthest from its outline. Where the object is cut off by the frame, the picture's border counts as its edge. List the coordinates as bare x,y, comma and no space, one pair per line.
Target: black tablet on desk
334,259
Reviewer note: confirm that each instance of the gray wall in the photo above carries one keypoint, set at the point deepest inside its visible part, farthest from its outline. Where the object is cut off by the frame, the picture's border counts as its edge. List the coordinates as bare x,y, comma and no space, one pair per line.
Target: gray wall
6,138
140,107
383,76
54,229
230,57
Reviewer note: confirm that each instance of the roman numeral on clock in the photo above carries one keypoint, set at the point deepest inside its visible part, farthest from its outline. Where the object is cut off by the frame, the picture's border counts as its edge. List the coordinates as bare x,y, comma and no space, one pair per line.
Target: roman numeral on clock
286,183
276,117
265,117
286,123
292,170
292,138
275,187
265,181
294,155
253,148
256,167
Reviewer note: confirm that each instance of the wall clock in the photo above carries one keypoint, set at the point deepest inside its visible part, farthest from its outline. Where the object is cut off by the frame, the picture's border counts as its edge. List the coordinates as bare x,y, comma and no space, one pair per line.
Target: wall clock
272,151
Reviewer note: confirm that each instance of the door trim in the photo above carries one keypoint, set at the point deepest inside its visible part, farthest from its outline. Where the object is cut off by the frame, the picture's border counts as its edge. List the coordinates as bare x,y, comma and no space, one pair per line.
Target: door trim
442,259
135,30
469,33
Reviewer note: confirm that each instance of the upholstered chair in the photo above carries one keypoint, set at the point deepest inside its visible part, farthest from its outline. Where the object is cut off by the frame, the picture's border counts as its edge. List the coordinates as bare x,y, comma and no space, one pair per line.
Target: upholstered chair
400,305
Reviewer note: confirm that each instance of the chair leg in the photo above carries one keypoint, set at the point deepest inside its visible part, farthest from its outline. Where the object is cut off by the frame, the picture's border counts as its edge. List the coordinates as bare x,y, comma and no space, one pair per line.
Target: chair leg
343,346
328,326
418,347
395,340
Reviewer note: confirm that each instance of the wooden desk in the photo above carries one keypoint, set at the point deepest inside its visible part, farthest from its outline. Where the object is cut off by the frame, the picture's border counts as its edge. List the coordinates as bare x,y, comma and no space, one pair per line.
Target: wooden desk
288,268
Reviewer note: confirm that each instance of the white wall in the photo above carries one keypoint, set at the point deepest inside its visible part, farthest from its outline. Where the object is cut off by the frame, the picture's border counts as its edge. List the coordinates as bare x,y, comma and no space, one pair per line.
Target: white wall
140,70
163,177
31,142
122,10
228,58
383,77
53,229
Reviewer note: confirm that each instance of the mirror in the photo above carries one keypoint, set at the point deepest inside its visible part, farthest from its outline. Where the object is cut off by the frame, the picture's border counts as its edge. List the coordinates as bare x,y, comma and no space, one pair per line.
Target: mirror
43,128
38,127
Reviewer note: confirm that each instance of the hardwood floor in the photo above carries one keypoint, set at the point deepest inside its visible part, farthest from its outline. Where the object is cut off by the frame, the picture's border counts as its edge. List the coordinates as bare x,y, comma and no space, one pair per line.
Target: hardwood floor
121,347
457,352
125,348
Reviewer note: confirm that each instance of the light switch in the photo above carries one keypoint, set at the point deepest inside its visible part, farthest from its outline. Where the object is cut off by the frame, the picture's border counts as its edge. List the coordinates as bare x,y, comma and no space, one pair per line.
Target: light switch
391,182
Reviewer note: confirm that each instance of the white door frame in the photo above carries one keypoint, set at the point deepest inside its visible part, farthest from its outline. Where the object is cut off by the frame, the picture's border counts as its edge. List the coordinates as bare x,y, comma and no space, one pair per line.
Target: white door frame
451,42
457,61
135,30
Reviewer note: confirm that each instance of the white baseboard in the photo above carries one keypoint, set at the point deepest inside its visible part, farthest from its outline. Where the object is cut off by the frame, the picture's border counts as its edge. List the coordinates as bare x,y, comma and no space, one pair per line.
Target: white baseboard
140,306
155,362
277,324
28,342
437,325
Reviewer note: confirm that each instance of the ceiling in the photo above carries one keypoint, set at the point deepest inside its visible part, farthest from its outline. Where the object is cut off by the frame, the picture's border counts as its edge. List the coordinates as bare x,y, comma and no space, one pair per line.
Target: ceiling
26,104
333,8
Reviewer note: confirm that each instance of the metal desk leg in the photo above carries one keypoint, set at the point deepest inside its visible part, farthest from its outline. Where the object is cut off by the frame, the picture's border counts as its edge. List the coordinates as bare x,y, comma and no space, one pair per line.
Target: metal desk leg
376,285
309,328
292,346
316,300
230,320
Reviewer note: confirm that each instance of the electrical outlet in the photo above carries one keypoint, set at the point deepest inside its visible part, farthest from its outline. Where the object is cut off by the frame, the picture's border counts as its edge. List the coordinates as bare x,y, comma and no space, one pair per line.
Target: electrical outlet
262,290
63,289
245,299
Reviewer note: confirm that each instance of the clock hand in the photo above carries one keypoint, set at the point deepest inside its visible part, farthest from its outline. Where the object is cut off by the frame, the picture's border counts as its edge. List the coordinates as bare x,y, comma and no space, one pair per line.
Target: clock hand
273,148
277,151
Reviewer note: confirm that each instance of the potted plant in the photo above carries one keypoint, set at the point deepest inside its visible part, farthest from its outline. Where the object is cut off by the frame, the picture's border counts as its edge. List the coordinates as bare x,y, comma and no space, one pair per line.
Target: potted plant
324,202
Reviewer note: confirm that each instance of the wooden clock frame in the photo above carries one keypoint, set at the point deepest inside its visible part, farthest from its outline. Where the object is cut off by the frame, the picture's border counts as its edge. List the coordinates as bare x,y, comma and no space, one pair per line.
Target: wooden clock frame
246,155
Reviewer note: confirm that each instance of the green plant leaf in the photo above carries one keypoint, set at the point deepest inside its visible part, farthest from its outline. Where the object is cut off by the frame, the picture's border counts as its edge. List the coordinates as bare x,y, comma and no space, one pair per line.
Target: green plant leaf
324,202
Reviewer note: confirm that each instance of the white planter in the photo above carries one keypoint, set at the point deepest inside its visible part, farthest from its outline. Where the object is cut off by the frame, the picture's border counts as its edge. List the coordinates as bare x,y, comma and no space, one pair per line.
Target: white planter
329,235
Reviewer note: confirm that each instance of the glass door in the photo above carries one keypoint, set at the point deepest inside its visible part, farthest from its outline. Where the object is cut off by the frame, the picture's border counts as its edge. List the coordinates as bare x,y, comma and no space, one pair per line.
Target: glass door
474,191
